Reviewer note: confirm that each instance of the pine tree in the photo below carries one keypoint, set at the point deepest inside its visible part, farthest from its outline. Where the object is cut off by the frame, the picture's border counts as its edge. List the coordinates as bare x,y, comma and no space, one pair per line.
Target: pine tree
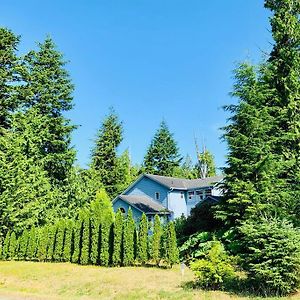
5,250
12,245
49,92
117,239
85,239
59,241
104,154
128,240
172,254
162,156
67,249
104,242
155,253
9,76
142,245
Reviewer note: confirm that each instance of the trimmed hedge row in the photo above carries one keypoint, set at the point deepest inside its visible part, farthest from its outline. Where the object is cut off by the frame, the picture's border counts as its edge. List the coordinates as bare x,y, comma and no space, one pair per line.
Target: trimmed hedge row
88,240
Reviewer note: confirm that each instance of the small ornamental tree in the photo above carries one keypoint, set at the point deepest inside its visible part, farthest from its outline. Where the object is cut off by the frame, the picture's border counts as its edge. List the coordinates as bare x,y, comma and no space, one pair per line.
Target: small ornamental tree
172,255
142,240
85,248
77,240
66,255
43,242
117,238
5,251
51,242
59,241
24,239
12,246
104,242
156,240
32,244
128,240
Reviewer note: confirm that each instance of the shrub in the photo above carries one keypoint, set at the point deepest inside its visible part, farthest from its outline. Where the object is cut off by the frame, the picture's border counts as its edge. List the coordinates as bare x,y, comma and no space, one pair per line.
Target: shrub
128,240
66,255
5,249
214,271
171,250
13,245
156,240
142,240
117,239
271,255
59,241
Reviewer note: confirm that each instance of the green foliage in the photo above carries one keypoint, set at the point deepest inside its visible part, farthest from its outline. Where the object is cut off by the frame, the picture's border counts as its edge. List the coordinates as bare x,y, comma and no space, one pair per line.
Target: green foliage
67,249
171,252
51,241
214,270
32,244
142,240
5,249
205,165
59,241
43,243
23,246
128,240
104,242
78,227
271,255
186,169
85,244
117,239
156,240
162,156
104,154
13,243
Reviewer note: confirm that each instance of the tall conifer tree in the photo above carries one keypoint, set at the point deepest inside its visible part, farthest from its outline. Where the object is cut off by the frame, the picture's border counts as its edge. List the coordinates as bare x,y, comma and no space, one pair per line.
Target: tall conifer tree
162,156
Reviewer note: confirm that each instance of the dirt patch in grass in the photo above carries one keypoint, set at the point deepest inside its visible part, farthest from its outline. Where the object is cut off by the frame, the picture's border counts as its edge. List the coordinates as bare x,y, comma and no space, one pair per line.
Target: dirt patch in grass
29,280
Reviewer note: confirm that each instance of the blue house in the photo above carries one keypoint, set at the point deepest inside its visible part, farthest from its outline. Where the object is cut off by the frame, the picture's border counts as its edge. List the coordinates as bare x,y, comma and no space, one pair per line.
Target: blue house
167,197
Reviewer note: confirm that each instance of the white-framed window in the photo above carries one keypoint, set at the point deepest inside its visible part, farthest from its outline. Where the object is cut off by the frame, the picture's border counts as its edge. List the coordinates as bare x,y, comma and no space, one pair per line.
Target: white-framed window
157,195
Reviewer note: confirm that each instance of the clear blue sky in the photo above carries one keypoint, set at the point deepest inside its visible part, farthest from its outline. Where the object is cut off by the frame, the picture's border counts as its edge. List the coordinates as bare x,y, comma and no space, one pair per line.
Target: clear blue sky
151,60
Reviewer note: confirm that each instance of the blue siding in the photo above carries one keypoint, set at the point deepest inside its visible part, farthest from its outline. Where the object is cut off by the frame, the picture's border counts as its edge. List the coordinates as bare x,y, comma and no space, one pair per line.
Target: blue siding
177,203
149,187
120,203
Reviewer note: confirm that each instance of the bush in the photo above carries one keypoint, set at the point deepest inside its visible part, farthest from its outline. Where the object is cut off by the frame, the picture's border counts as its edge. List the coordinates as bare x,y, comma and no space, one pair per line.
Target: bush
215,270
271,256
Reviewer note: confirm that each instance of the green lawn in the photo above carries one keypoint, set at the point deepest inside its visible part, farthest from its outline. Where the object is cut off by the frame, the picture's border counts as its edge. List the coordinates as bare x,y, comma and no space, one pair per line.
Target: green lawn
29,280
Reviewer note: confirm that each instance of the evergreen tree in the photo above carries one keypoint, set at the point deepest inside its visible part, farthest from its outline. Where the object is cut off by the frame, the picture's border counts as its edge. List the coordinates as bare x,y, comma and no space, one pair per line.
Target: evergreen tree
23,247
49,91
162,156
186,169
85,238
59,240
104,242
77,240
67,249
128,240
104,154
142,245
51,242
43,242
5,250
32,244
117,239
9,76
155,252
172,254
13,243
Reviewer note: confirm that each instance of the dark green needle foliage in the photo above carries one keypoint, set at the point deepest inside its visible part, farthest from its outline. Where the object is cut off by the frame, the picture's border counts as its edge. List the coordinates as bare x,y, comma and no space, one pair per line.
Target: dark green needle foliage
171,252
128,240
155,253
142,240
162,156
117,238
85,239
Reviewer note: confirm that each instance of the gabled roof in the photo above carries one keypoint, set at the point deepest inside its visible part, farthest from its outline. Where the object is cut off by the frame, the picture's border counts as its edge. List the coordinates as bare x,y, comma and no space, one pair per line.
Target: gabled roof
184,184
144,203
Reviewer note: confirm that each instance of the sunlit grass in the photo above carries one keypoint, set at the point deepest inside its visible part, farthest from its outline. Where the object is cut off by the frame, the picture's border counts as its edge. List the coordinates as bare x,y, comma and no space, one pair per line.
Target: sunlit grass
29,280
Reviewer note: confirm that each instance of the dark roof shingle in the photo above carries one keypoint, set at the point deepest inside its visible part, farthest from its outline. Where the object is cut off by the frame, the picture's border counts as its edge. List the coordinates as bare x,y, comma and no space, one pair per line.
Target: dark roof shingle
184,184
144,203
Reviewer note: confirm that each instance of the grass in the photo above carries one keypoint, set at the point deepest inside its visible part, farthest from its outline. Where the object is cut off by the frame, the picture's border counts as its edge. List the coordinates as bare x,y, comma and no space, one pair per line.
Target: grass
29,280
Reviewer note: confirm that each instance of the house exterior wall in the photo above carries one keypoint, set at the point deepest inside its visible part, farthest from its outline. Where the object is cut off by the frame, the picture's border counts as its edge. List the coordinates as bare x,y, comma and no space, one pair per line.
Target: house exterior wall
137,214
149,187
177,203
